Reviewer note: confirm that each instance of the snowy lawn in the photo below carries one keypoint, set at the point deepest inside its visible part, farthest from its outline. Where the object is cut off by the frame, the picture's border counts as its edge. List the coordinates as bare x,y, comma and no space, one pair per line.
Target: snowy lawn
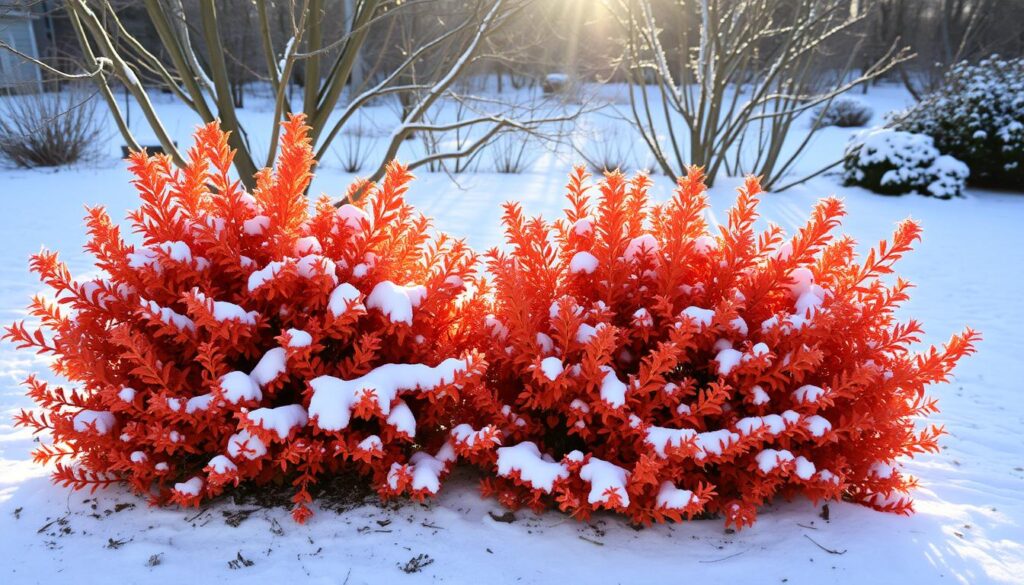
969,527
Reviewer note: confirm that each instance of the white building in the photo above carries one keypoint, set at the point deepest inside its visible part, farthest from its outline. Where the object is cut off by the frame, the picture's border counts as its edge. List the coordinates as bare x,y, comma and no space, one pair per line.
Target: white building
17,30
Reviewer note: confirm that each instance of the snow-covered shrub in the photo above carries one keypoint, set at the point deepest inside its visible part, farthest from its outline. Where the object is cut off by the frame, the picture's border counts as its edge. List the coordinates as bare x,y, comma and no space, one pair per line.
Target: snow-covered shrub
249,340
844,112
977,116
646,363
893,162
555,83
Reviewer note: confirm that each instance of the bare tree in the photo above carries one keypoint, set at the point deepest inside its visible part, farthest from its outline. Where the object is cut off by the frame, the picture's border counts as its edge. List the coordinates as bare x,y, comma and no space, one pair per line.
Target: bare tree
729,73
945,32
192,63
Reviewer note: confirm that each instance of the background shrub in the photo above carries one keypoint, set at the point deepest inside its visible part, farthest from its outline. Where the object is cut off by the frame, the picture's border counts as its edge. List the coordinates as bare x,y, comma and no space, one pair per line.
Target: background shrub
51,128
892,162
844,112
977,116
647,363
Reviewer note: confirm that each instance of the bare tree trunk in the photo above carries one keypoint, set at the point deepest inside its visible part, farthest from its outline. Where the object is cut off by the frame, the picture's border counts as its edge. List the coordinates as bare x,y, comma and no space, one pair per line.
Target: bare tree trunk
756,70
327,66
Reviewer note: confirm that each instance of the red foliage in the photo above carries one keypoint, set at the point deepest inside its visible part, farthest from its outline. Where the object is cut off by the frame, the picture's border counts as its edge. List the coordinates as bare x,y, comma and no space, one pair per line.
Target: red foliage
627,356
194,358
644,363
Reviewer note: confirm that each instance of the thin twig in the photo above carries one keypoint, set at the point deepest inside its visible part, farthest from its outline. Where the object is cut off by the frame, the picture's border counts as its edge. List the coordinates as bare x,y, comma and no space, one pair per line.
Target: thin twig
828,550
726,558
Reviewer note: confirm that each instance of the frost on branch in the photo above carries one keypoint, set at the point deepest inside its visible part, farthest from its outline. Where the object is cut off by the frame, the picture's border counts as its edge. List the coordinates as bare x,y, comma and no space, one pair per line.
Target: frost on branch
239,337
645,363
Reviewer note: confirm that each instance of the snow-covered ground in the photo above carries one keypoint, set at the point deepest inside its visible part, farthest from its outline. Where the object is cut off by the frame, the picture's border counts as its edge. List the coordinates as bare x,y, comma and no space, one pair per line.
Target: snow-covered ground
969,527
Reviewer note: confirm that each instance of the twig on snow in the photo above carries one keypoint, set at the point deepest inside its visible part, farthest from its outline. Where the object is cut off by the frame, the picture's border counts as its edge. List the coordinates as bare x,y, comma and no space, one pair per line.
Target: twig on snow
828,550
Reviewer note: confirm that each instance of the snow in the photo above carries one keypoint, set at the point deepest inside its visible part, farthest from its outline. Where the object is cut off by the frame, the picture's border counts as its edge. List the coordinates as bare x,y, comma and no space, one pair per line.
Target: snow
467,435
342,297
271,365
642,246
583,227
804,468
333,398
605,478
774,422
760,396
402,418
584,262
495,327
256,226
313,265
138,457
702,317
817,425
642,318
260,277
168,316
662,438
371,443
221,464
808,393
191,487
769,459
533,469
963,275
307,245
299,338
127,394
197,403
238,386
396,302
243,444
281,419
727,360
177,251
353,217
613,390
225,311
143,257
672,498
714,442
740,326
586,332
881,470
544,341
551,367
96,421
704,244
426,472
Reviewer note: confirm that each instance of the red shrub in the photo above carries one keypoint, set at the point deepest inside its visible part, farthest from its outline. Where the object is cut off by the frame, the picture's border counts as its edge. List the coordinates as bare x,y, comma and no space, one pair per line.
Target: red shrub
218,351
643,363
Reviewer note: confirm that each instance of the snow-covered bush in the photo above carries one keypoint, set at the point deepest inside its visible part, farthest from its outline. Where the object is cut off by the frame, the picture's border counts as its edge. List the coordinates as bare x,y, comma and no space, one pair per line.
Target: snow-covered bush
977,116
844,112
647,363
893,162
249,340
555,83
